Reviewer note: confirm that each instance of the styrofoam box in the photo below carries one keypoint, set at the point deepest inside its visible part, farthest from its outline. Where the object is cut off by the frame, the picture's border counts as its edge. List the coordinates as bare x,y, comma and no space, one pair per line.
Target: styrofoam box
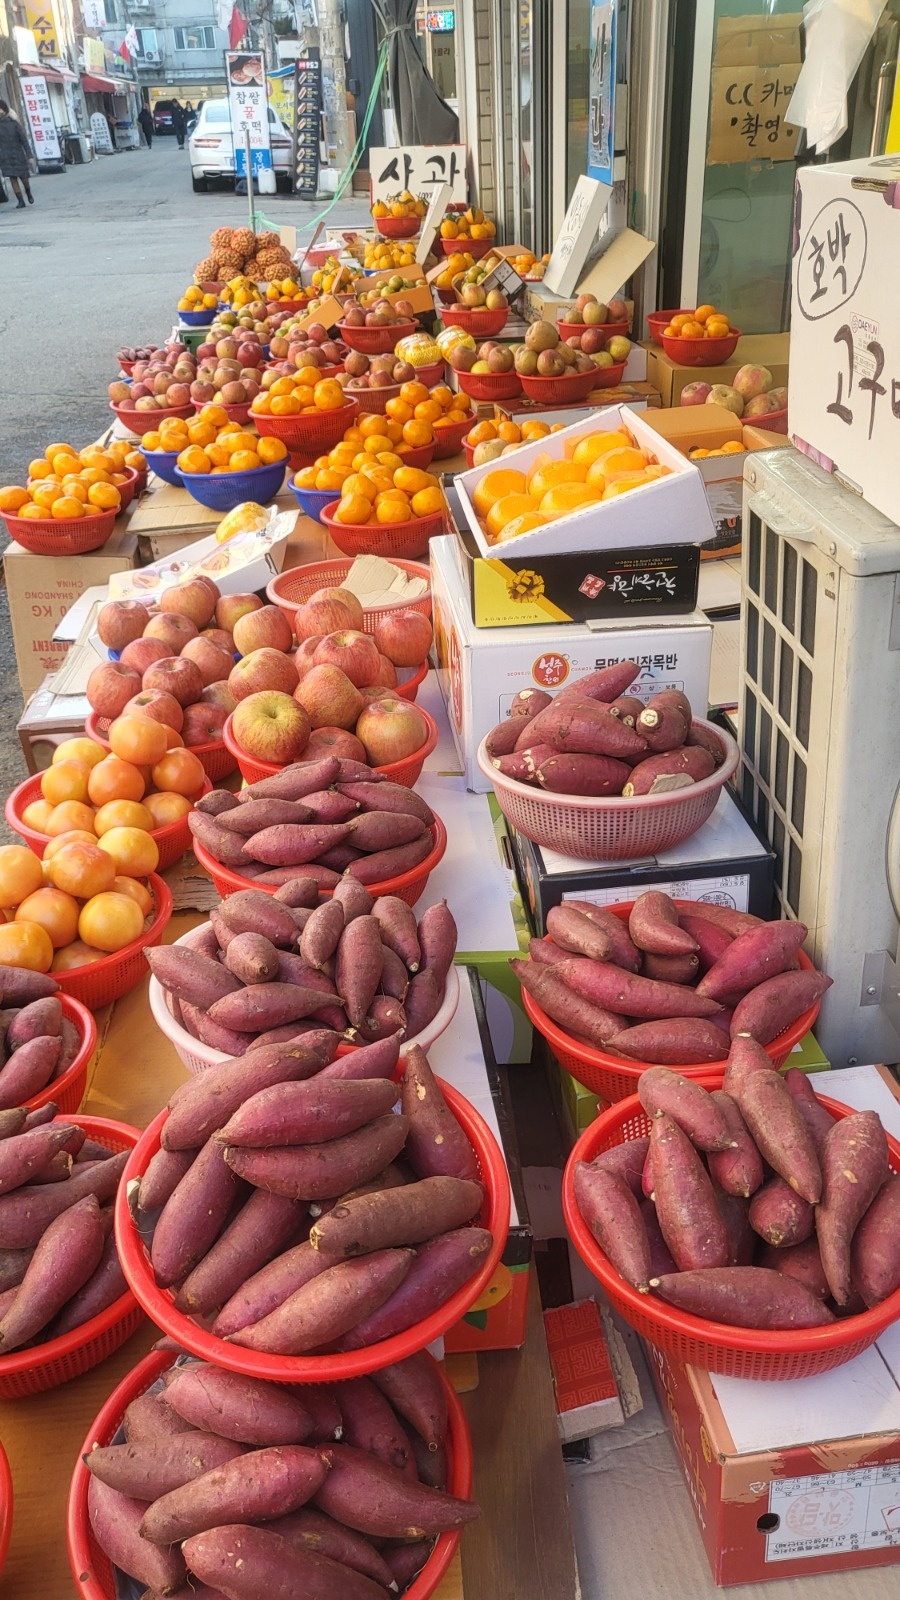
670,510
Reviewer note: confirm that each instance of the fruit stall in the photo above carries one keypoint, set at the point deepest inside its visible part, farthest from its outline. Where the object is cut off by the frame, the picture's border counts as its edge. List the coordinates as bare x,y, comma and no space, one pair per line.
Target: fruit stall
403,1046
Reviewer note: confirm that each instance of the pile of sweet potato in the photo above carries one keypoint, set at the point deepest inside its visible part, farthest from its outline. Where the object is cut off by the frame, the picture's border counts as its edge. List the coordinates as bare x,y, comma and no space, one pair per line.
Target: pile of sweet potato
37,1043
269,968
748,1204
671,986
329,816
221,1485
58,1261
592,738
289,1203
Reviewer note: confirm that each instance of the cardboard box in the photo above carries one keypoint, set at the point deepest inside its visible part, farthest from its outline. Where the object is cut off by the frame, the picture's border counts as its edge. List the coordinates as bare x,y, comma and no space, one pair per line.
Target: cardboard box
768,349
689,427
481,669
587,1396
242,564
48,720
845,330
419,297
42,588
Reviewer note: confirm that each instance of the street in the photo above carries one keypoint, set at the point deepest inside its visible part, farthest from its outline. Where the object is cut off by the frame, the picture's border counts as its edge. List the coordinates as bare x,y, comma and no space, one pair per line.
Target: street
98,262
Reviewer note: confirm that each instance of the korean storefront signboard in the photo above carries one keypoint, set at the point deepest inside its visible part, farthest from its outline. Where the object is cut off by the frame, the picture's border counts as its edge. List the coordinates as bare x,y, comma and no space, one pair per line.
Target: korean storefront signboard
42,22
40,119
419,168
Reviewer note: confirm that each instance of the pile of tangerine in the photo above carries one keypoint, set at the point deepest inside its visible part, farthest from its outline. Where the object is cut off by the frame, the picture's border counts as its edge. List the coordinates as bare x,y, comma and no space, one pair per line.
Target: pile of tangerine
704,323
65,483
297,393
374,437
380,489
210,443
602,466
194,299
509,432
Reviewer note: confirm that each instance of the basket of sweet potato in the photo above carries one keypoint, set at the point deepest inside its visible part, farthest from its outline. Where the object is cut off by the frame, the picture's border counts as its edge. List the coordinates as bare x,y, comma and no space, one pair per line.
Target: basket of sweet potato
752,1229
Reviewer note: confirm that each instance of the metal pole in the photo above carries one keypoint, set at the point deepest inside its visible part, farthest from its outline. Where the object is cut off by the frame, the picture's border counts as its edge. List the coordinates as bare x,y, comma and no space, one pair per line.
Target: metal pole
249,177
334,81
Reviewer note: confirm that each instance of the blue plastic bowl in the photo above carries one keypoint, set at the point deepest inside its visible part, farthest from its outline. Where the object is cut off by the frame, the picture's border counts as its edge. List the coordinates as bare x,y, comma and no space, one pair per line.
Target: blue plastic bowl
312,501
197,319
162,462
223,491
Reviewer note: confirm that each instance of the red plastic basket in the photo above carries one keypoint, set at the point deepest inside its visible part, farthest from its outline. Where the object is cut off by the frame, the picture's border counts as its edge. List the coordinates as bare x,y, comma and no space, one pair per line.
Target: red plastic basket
236,413
573,386
6,1507
477,320
46,1366
431,374
406,772
701,352
409,688
616,829
375,400
375,341
490,385
292,588
46,536
90,1567
159,1303
398,227
738,1352
609,377
657,320
290,307
772,421
172,840
136,421
217,762
67,1091
129,488
406,539
112,976
464,245
448,441
416,455
312,433
610,330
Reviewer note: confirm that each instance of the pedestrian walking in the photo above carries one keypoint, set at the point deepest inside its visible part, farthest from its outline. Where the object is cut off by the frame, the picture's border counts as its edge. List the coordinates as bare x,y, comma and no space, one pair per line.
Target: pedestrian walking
178,120
15,155
145,118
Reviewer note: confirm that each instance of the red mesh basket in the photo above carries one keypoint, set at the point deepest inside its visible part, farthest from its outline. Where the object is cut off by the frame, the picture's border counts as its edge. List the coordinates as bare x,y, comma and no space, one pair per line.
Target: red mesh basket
46,1366
738,1352
477,320
408,688
406,539
137,421
112,976
416,455
6,1507
375,400
217,762
490,385
701,352
46,536
464,245
313,433
609,377
172,840
448,440
67,1091
398,227
292,588
562,391
657,320
616,829
609,330
159,1303
375,341
236,413
91,1570
406,771
130,487
431,374
772,421
409,886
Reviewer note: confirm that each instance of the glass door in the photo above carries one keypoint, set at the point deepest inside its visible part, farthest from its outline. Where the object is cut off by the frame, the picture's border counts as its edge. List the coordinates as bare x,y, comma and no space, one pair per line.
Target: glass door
531,29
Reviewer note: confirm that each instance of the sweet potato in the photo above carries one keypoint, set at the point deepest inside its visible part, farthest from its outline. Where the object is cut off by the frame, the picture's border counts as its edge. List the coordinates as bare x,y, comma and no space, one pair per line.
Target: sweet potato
269,1287
293,844
819,1122
686,1205
438,936
246,1410
24,1156
672,769
308,1113
673,697
370,1424
353,898
752,957
164,1172
662,726
394,976
63,1260
263,1227
280,877
322,1406
593,775
687,1103
546,952
745,1057
254,911
528,702
773,1005
246,1563
606,985
800,1261
310,1529
711,940
423,1001
154,1467
654,927
855,1165
27,1213
268,1005
613,1216
330,805
14,1120
319,1171
29,1070
190,976
293,782
671,969
739,1169
522,765
875,1250
105,1285
19,986
385,1017
151,1417
387,796
201,1026
780,1216
216,803
780,1133
417,1395
329,1306
624,953
385,830
501,739
299,894
679,1042
436,1145
115,1521
264,1484
376,1499
194,1215
571,930
36,1020
744,1297
399,1216
376,1060
563,1005
250,818
440,1267
742,1241
223,845
660,1254
399,930
13,1264
357,969
625,1161
383,865
351,771
320,936
251,958
606,683
626,706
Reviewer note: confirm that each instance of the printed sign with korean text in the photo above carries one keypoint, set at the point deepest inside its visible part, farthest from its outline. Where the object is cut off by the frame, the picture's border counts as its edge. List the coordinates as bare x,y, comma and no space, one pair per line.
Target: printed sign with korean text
746,116
42,22
40,119
246,81
419,168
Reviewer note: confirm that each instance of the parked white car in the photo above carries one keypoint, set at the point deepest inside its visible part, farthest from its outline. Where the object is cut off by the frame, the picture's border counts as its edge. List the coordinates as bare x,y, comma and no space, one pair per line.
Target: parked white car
211,147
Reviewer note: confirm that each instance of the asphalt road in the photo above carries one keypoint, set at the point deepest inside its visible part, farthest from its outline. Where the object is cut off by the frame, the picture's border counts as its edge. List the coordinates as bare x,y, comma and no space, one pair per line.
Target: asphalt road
99,261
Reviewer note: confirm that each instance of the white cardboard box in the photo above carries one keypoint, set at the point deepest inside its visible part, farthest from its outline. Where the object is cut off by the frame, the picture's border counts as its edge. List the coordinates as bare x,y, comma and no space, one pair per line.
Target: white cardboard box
845,324
481,669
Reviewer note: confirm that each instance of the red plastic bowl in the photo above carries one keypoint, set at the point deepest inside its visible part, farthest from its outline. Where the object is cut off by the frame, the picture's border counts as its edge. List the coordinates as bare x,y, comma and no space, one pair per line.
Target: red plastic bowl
314,432
568,330
217,762
448,441
609,377
772,421
46,1366
407,539
103,981
295,585
398,227
573,386
159,1303
136,421
739,1352
129,488
90,1567
172,840
6,1507
47,536
657,320
67,1091
409,886
490,385
476,248
376,341
236,413
431,374
375,400
701,352
477,320
416,455
405,772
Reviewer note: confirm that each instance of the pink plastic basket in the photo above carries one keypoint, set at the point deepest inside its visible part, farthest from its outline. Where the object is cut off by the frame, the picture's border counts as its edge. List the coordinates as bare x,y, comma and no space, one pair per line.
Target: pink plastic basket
398,227
657,320
609,330
293,587
573,386
137,421
476,248
310,432
448,441
615,829
375,400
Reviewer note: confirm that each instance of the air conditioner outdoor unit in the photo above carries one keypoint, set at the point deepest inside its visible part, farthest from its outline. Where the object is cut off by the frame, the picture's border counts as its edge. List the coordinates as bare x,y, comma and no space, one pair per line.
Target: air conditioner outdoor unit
820,753
151,57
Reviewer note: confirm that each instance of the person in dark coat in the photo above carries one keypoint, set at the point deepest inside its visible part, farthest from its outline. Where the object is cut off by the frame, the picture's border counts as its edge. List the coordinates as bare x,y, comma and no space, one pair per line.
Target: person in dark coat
178,121
145,118
15,155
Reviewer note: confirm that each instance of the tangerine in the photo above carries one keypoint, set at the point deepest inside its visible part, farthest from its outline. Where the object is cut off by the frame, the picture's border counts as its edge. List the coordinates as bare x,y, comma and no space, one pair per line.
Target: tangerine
66,508
506,509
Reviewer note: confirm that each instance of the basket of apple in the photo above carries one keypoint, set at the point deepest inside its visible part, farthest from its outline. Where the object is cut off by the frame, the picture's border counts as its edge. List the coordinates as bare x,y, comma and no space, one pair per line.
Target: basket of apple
229,374
486,373
551,371
609,355
377,331
160,386
752,395
291,348
480,313
374,380
589,312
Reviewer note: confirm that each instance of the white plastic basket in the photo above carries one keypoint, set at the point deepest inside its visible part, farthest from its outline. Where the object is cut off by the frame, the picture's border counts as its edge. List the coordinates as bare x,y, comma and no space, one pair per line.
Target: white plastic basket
614,829
198,1056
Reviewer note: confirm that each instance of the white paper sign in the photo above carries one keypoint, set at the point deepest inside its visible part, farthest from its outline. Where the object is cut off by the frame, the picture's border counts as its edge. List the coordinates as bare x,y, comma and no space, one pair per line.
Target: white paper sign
419,168
94,13
246,80
40,118
437,205
577,236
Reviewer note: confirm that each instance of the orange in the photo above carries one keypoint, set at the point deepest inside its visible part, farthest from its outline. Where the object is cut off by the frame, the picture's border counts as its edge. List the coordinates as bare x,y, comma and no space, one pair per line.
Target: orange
509,432
282,386
33,512
412,479
732,447
536,430
394,429
413,392
218,455
44,494
680,318
261,405
417,433
305,478
76,488
150,441
628,459
623,484
428,411
717,328
105,496
392,508
285,405
13,498
376,443
371,423
566,497
398,409
39,468
523,524
483,432
358,483
555,472
66,507
193,459
217,415
703,313
244,461
389,459
353,508
443,395
304,394
692,330
506,509
200,432
494,485
327,478
328,395
308,377
427,502
352,435
64,461
271,450
89,475
595,445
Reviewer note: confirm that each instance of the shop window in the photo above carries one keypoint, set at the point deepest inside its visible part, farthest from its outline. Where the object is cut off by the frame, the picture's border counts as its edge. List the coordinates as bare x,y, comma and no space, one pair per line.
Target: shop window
195,38
147,42
578,17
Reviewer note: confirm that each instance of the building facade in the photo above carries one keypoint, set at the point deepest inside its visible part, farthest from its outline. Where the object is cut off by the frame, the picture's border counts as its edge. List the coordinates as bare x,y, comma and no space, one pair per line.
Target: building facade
180,48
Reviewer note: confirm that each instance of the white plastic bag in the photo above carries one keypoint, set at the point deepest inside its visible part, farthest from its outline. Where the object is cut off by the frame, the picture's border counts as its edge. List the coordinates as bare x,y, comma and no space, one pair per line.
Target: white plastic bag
838,33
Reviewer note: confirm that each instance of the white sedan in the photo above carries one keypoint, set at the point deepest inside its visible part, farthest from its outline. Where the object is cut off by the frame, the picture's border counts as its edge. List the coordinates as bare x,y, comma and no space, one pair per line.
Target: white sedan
211,147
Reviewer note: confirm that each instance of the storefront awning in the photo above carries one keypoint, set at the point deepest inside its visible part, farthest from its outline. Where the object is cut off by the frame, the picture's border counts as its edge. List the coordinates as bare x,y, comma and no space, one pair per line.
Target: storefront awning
92,83
54,74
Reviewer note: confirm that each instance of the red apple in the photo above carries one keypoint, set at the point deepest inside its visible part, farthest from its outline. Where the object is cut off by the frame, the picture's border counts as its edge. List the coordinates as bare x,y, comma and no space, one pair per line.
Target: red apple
404,637
218,694
177,677
271,726
203,723
232,606
347,598
221,637
321,616
192,599
355,653
266,629
386,676
262,669
333,742
377,691
120,621
391,730
329,697
305,653
141,652
215,664
173,629
110,687
158,706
